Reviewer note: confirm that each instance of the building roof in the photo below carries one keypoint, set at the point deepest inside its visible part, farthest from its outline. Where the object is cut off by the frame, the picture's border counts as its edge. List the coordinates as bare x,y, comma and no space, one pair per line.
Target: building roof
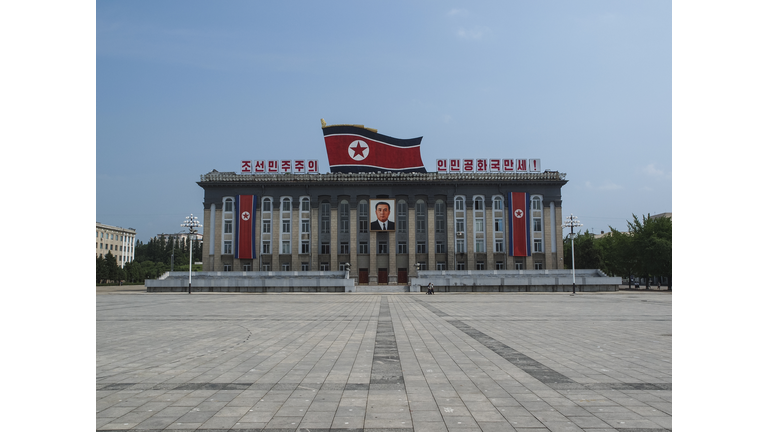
220,178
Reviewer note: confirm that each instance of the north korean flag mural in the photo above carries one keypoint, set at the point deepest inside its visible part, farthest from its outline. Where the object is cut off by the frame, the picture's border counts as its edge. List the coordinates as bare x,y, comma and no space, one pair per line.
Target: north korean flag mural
519,224
353,149
245,208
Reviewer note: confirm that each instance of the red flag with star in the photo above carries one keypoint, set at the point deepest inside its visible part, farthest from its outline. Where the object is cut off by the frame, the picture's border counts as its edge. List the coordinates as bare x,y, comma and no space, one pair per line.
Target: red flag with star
245,210
354,149
519,224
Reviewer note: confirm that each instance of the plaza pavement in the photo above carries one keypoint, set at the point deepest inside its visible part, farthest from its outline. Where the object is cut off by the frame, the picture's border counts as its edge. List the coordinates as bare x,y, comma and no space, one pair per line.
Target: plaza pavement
384,362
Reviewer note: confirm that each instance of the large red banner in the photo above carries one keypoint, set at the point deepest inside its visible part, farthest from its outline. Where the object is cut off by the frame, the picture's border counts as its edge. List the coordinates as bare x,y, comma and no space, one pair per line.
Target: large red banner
356,149
245,233
519,223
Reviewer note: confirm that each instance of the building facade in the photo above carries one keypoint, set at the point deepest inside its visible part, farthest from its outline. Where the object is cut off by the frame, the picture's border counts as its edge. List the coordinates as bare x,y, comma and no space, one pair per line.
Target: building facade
311,222
120,241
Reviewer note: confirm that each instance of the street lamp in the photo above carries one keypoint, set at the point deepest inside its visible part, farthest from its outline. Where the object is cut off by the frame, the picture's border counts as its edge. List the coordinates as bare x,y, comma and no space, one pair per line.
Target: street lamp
570,222
191,223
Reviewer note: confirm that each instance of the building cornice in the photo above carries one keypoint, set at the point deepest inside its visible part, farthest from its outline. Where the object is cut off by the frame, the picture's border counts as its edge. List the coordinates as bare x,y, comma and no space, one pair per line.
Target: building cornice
215,178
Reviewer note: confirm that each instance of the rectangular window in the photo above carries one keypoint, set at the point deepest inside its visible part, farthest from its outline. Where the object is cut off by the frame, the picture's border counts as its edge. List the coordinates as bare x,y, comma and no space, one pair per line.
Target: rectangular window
324,266
479,245
479,225
499,245
266,226
266,267
344,226
286,267
305,206
344,248
227,246
305,226
459,204
518,265
383,249
246,267
440,225
325,248
439,247
286,206
287,226
538,265
286,247
265,248
499,265
305,247
537,224
402,247
421,225
227,267
362,225
460,266
497,204
459,225
363,248
304,266
325,226
498,225
441,266
538,245
266,206
421,247
460,246
480,265
228,206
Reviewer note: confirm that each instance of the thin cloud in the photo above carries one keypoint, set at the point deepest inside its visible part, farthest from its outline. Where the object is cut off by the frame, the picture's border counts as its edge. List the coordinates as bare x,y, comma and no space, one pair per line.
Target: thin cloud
474,34
456,12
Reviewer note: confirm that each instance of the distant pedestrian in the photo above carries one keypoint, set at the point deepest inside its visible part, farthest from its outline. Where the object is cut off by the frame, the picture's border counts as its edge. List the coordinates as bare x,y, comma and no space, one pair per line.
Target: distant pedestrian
431,289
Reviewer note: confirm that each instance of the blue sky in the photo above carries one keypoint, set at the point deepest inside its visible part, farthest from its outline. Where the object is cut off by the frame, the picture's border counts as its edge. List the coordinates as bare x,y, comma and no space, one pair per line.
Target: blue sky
185,87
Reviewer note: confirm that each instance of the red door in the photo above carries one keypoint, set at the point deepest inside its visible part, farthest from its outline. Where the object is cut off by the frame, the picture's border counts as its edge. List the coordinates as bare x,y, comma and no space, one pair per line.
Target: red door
362,276
383,276
402,276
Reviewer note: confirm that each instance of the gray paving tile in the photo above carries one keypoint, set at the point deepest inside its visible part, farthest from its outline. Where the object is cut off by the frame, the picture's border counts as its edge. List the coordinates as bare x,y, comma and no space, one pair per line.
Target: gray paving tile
522,361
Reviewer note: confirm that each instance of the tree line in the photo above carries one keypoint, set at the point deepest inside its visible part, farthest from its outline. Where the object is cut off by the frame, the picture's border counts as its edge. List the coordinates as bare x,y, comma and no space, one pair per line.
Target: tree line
151,260
644,251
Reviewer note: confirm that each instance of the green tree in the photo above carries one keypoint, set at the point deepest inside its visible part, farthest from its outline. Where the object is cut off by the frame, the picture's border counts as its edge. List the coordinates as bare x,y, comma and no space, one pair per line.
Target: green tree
652,246
587,253
102,272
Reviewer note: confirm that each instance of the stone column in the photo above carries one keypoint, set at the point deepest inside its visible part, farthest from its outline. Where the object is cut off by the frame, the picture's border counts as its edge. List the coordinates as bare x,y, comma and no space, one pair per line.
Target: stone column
373,267
315,238
334,236
490,239
411,239
450,236
353,227
392,267
431,265
296,236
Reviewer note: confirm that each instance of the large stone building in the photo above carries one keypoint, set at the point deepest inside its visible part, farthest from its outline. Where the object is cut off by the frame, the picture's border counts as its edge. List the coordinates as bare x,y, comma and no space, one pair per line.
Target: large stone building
442,221
119,241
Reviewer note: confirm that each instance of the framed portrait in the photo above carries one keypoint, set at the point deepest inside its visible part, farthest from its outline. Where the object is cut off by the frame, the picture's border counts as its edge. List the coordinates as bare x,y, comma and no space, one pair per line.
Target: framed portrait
382,214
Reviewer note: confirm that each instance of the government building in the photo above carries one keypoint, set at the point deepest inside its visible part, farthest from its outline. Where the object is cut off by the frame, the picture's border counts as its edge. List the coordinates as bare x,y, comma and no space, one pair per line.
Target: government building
441,221
119,241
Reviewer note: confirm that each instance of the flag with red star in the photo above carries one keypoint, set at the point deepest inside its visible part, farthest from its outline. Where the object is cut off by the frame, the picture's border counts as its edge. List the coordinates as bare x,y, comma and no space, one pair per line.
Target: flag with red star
245,212
353,149
519,224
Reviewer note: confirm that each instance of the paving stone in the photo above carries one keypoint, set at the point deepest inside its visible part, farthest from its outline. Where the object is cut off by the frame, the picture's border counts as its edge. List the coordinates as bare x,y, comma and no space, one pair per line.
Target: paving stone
381,362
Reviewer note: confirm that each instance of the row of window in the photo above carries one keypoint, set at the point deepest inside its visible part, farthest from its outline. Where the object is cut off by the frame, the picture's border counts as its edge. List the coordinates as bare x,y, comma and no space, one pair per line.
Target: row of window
324,266
110,236
460,215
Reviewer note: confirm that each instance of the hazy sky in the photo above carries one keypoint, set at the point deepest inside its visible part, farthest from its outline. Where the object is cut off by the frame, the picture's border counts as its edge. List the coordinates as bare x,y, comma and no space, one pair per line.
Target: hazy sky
185,87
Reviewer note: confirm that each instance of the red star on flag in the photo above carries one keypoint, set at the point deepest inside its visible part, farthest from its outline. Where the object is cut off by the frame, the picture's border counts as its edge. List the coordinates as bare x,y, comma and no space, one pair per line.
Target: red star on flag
358,149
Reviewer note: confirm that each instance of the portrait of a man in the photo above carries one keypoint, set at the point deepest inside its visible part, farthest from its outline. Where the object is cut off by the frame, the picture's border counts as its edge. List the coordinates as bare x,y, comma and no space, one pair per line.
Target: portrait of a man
381,211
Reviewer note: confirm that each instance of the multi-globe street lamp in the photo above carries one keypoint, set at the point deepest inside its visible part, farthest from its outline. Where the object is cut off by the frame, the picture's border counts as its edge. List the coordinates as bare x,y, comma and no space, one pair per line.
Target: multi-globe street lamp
570,222
191,223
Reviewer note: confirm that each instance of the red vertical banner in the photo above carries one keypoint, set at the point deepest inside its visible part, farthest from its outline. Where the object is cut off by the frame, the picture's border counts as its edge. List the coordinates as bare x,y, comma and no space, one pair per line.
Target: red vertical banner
519,223
246,211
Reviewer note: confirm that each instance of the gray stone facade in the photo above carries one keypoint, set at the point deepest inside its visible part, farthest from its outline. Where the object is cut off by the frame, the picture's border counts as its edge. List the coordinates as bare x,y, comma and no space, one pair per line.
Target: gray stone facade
336,232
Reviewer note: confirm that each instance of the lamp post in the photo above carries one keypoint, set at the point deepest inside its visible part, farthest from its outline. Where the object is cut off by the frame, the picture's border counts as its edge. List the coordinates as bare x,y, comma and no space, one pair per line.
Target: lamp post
191,223
570,222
